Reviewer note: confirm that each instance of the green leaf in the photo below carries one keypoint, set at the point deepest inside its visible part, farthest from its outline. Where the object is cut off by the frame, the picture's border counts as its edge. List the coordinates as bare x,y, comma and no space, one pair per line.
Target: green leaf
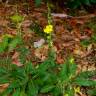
72,69
43,66
17,92
85,82
29,68
70,91
86,74
19,73
23,93
3,71
4,44
93,38
68,69
64,72
47,88
56,91
4,79
23,53
85,43
14,84
14,43
32,89
38,2
39,81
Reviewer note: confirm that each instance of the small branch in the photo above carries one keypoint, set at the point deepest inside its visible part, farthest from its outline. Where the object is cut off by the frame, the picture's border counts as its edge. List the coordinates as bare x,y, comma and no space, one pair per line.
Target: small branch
61,15
68,16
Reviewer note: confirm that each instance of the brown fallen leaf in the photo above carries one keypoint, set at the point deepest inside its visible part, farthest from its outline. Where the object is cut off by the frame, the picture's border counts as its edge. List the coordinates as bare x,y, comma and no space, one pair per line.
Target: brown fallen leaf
78,52
59,60
3,87
15,59
17,62
26,23
41,52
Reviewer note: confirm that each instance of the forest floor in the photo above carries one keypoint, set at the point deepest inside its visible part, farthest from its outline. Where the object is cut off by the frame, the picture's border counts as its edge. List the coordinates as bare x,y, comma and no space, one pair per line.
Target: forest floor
74,34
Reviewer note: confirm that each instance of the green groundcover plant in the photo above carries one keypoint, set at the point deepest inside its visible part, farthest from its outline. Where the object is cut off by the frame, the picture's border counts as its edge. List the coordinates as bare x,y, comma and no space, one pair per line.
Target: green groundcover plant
46,78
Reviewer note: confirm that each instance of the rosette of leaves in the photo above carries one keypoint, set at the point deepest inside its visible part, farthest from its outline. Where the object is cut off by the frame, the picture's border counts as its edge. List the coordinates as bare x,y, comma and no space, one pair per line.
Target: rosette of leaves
45,78
28,80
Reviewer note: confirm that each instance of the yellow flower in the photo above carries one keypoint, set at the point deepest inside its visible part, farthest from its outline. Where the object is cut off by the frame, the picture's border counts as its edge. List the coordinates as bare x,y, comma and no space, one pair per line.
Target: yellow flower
77,89
48,29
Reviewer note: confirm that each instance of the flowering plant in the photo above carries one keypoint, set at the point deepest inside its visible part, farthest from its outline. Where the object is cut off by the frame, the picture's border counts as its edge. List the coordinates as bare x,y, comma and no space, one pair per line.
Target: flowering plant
48,29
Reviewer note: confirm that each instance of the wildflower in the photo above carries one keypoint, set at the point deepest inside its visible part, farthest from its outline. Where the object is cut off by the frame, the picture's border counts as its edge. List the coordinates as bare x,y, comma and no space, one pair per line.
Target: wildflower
48,29
77,89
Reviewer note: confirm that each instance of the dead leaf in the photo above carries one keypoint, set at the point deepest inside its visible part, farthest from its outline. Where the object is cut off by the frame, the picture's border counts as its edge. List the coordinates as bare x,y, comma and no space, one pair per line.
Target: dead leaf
26,23
17,62
15,55
3,87
59,60
15,59
42,52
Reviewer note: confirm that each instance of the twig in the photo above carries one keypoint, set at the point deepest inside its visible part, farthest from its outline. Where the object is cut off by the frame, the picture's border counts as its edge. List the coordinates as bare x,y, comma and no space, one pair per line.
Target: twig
60,15
68,16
